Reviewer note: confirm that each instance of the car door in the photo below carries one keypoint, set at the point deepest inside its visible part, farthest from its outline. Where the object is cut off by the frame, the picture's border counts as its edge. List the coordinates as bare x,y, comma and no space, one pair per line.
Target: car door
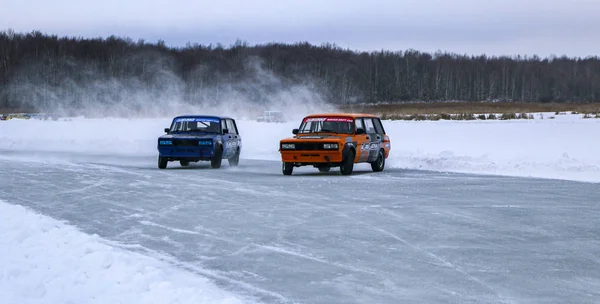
226,138
361,140
230,139
373,139
383,139
237,139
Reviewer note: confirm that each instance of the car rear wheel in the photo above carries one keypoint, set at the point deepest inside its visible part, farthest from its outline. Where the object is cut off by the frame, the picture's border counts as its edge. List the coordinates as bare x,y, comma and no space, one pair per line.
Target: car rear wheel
215,162
235,160
184,163
348,164
379,163
287,168
162,162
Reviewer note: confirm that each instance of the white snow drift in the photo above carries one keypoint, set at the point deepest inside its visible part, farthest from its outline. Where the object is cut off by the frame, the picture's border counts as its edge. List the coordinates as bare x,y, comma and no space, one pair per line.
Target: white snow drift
562,148
43,260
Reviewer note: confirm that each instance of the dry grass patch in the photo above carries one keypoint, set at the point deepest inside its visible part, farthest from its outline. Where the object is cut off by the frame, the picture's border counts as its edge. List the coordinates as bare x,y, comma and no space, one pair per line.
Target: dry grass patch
442,108
461,116
15,110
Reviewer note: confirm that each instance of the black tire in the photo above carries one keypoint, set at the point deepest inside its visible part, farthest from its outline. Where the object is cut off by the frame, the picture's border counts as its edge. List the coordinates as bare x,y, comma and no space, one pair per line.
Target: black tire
184,163
324,168
235,160
162,162
287,168
215,162
379,163
347,164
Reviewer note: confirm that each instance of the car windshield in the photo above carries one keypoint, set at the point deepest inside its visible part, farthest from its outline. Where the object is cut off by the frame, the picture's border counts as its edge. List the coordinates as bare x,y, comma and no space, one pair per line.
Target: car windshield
342,125
196,124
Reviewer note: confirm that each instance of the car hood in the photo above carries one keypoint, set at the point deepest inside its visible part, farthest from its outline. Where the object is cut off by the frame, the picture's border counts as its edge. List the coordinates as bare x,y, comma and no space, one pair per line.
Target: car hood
317,137
188,136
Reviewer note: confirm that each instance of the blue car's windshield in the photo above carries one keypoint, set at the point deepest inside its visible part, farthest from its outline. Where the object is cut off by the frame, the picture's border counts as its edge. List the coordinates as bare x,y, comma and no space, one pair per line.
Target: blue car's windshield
196,124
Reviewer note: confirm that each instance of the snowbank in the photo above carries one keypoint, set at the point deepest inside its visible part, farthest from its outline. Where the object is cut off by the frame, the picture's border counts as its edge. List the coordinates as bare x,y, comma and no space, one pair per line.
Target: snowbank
564,148
45,261
90,136
560,149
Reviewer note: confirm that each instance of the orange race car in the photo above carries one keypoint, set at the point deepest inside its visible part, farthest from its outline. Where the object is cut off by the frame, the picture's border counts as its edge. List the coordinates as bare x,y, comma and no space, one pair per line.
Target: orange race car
336,140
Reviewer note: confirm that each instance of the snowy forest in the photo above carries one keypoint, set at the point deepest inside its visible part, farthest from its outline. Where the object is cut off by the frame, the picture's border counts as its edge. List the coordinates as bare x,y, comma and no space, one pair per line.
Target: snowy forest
36,67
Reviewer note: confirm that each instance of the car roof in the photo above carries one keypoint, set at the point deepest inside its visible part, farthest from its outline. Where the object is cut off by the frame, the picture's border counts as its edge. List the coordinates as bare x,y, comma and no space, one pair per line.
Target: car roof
197,115
353,115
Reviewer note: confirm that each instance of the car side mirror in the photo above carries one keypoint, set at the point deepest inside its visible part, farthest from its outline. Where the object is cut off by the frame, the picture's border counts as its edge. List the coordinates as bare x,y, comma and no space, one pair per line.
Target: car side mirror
360,131
167,130
225,131
295,131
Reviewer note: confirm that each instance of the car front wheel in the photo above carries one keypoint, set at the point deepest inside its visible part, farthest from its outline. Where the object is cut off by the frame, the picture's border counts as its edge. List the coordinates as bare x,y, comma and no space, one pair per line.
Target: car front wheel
347,165
287,168
215,162
162,162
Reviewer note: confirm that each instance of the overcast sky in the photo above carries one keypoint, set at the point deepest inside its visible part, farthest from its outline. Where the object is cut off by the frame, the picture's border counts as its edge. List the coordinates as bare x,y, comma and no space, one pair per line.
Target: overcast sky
493,27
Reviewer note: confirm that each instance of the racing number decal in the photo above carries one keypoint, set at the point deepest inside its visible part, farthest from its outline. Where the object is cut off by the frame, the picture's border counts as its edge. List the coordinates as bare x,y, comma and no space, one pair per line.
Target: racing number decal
231,144
370,146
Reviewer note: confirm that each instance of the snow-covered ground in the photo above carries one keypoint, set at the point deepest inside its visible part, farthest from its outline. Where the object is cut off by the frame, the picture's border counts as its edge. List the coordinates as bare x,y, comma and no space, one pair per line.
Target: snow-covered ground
43,260
47,261
563,148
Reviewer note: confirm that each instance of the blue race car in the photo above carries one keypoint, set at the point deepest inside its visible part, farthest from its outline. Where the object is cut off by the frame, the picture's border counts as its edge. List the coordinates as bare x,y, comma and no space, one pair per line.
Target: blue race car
193,138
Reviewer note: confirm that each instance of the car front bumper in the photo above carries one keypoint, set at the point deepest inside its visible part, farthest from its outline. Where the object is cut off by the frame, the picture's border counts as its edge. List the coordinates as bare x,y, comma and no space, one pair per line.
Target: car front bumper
318,156
182,152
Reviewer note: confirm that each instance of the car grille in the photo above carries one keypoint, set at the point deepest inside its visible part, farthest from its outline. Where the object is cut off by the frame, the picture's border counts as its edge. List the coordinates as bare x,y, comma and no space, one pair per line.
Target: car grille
308,146
185,142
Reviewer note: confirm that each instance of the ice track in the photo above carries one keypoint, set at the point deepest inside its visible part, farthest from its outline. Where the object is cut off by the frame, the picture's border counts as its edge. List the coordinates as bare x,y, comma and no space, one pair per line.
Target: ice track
392,237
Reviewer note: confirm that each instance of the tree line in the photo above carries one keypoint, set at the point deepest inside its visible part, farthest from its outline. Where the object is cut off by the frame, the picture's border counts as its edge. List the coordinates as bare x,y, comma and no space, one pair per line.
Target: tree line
37,69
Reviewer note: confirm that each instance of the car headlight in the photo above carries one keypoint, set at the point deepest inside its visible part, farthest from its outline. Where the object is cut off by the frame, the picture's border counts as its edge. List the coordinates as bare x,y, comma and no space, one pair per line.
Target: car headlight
205,143
288,146
330,146
165,142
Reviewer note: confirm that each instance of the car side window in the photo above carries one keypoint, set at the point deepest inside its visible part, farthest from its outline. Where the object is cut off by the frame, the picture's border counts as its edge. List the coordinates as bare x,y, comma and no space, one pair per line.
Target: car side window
378,126
359,123
232,127
369,127
223,125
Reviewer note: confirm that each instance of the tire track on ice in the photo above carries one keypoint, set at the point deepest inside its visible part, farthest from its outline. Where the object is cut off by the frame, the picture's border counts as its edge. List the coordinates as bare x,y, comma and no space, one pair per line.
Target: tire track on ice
416,248
246,247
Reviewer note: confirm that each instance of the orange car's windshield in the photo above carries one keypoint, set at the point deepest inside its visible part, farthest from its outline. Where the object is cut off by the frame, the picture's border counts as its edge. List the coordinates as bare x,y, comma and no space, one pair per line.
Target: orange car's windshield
341,125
